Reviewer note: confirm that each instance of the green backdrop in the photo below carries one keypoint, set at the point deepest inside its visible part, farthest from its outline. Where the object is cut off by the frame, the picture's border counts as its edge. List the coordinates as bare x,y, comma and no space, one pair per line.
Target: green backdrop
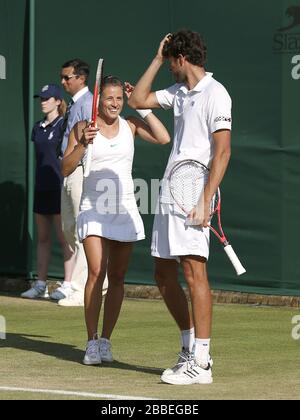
251,50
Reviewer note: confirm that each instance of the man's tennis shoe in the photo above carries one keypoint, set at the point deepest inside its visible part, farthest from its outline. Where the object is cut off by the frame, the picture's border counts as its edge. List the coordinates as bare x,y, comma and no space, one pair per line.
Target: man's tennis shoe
192,372
105,350
183,357
92,354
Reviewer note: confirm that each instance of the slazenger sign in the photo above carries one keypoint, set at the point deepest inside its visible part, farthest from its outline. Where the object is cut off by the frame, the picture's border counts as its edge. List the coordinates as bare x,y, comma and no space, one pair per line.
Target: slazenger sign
2,67
287,39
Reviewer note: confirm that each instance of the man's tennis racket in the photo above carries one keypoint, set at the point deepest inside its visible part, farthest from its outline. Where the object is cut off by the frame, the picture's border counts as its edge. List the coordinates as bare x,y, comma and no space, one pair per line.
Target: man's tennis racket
187,180
96,95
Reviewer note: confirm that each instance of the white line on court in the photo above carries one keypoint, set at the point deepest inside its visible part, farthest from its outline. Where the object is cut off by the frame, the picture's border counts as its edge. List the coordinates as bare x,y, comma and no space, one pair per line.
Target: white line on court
73,393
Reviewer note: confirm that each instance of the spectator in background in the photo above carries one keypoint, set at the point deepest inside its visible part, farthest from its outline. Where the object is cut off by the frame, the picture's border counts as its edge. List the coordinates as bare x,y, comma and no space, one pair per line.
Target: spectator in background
46,135
74,77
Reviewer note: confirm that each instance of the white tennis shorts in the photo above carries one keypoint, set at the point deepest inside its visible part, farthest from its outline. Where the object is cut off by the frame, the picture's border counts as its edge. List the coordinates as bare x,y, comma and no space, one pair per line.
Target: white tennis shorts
171,238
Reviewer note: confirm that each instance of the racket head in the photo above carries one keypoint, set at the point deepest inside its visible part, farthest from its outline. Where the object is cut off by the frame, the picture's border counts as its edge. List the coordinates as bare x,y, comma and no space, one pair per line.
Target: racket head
99,72
96,95
187,180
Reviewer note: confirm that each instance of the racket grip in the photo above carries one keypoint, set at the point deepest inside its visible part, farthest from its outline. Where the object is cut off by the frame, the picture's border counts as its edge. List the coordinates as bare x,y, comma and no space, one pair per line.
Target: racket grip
234,260
88,160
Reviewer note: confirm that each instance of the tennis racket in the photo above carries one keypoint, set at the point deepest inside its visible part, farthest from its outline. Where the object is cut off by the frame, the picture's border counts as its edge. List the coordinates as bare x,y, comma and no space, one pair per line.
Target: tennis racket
96,95
187,180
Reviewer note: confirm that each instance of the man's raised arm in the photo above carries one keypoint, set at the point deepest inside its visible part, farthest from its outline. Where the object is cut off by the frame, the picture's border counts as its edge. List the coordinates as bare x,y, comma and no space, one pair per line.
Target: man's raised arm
142,97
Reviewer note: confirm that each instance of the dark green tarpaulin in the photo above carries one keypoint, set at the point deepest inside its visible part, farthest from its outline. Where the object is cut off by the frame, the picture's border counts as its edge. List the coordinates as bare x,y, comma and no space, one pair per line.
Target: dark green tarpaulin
253,49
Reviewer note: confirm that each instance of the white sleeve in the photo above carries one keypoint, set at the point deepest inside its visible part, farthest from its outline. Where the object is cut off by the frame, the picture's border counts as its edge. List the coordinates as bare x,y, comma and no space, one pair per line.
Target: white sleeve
219,110
165,97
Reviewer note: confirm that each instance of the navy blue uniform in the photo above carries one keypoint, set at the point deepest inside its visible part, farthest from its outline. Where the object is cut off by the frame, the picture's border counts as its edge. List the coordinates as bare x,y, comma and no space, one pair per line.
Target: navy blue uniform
48,177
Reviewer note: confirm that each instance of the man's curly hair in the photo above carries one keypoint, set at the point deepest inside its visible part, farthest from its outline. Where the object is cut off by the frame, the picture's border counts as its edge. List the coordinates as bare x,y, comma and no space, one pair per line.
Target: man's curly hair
187,43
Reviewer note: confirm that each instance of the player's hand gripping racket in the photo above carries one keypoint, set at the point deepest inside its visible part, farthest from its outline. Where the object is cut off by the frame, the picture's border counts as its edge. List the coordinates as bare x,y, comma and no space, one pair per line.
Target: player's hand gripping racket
186,181
96,95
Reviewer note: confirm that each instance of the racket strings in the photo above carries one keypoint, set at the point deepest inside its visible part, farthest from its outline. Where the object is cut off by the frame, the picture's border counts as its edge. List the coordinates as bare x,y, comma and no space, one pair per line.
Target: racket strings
186,184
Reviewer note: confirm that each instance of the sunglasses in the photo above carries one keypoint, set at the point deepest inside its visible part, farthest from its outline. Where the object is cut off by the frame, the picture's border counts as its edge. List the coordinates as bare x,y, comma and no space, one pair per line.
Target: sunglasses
67,77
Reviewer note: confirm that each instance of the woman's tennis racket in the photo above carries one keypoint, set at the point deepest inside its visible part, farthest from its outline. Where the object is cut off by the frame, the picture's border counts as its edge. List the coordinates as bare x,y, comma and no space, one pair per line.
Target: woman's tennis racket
96,95
187,180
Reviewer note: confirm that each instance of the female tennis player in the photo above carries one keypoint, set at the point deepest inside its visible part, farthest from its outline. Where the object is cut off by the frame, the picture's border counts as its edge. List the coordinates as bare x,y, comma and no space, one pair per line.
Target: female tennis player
109,222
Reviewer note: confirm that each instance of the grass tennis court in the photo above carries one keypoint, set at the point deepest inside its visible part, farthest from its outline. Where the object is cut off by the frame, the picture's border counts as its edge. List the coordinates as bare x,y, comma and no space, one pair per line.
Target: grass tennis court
254,353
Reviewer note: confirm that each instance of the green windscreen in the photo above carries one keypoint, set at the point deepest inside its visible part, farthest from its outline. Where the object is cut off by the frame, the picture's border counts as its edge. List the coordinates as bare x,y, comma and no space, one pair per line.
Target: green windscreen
253,50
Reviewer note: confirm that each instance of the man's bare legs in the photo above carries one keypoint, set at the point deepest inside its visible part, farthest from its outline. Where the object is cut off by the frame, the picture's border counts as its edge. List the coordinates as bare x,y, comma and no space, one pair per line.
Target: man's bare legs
166,276
192,367
195,274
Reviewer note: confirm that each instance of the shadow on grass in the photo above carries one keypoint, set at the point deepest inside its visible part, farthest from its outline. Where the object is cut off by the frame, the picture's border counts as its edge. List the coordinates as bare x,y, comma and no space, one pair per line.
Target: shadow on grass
120,365
67,352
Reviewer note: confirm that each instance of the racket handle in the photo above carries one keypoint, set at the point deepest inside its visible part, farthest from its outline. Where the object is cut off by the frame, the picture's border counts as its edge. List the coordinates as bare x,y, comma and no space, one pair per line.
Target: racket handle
234,260
88,160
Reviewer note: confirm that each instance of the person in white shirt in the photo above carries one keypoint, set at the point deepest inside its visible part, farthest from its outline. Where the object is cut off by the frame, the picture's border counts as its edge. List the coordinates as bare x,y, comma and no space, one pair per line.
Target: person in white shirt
109,222
202,131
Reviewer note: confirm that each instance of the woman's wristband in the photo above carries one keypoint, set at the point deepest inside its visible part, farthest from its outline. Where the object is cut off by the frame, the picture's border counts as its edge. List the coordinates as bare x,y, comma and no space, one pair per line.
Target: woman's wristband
143,112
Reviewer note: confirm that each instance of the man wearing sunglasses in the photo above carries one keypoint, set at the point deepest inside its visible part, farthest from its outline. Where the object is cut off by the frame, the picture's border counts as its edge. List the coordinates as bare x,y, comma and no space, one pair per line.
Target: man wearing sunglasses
74,76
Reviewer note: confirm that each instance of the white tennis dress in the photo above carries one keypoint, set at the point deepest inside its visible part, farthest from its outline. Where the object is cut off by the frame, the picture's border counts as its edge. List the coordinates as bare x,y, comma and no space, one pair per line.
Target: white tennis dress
108,208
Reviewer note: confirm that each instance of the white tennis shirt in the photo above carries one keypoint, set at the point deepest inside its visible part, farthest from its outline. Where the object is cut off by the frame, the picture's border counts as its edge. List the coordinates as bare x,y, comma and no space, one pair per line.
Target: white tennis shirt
198,113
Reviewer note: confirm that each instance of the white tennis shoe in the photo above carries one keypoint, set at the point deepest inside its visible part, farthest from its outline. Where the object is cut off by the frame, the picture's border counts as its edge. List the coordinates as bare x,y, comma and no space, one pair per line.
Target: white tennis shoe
105,350
36,292
75,298
192,372
92,354
62,292
183,357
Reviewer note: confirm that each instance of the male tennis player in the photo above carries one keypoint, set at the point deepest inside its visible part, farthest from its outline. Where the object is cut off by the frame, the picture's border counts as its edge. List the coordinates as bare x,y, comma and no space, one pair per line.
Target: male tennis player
202,131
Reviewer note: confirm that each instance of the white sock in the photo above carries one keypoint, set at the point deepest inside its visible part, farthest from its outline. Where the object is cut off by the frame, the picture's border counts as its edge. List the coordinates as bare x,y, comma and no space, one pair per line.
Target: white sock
202,350
41,284
188,338
66,284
